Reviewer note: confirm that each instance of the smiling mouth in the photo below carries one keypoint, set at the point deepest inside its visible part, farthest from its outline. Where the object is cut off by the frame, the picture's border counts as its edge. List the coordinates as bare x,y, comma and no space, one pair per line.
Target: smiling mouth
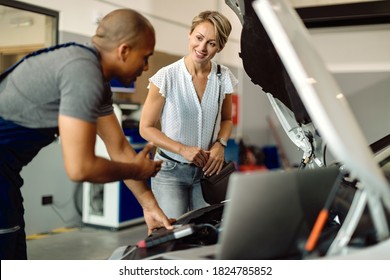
200,54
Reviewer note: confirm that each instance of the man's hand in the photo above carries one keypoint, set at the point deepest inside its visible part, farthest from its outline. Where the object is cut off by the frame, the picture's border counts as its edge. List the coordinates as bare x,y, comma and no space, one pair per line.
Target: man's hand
155,218
146,167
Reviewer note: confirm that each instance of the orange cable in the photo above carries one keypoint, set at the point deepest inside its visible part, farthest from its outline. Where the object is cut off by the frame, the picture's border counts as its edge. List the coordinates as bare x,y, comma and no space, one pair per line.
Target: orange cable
316,231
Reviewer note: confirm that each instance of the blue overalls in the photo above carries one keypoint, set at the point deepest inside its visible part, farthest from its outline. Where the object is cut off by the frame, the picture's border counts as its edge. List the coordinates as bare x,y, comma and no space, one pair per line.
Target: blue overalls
18,146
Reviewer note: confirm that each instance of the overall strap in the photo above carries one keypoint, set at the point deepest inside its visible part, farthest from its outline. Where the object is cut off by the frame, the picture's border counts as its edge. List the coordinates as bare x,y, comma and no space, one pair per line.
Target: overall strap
44,50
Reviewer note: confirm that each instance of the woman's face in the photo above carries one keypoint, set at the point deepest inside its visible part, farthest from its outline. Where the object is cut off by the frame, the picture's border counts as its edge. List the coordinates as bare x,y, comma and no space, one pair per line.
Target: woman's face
202,43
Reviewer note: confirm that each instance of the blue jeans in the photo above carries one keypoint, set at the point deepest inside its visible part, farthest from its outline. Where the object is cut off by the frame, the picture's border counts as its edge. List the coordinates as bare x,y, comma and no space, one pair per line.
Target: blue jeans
177,188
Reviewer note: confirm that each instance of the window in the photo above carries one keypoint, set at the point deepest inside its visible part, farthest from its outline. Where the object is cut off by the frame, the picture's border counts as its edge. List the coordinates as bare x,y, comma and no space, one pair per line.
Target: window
24,28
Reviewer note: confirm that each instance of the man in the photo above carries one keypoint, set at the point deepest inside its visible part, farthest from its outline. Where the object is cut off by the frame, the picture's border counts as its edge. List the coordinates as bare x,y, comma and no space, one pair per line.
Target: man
65,90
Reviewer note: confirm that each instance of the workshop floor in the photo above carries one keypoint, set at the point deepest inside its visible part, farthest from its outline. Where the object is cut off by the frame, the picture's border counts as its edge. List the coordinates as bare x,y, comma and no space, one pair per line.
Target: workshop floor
82,243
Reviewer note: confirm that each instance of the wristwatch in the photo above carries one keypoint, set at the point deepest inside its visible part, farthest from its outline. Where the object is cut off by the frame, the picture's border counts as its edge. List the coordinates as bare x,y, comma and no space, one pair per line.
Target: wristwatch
222,142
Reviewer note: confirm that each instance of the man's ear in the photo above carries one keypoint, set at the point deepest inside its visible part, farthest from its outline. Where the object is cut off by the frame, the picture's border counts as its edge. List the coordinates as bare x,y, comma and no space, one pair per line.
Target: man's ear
123,51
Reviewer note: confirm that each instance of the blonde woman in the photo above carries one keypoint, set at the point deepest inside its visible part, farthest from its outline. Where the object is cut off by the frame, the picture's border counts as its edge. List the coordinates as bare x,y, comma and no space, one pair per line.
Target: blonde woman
185,100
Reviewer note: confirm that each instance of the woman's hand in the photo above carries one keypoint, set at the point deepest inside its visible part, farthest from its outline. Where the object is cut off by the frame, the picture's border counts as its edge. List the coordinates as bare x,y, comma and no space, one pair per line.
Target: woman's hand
195,155
215,161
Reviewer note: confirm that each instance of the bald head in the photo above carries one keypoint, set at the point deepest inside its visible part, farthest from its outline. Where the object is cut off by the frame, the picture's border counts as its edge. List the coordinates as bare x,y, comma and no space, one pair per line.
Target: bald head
123,26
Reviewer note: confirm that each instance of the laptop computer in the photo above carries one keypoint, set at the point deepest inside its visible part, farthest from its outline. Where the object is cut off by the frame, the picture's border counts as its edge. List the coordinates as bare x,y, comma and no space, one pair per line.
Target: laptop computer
269,215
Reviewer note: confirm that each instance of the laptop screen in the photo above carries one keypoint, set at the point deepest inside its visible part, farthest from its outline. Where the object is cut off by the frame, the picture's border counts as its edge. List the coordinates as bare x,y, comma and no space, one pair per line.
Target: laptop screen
270,214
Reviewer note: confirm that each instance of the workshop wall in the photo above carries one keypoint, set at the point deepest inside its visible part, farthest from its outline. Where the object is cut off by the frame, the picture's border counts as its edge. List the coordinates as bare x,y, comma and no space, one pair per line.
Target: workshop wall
173,17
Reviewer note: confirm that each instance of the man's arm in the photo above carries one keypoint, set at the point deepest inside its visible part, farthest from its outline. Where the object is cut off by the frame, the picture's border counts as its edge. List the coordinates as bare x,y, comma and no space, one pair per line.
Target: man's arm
120,150
81,164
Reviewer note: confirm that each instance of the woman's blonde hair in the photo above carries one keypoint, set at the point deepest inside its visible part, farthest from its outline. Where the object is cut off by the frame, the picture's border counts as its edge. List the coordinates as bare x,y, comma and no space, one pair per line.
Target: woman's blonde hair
221,25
